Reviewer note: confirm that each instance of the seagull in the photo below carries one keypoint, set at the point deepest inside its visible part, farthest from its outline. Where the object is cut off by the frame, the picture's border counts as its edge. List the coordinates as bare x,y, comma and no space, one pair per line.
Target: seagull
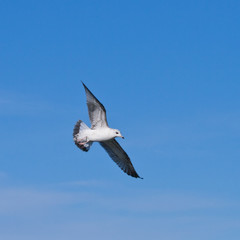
84,136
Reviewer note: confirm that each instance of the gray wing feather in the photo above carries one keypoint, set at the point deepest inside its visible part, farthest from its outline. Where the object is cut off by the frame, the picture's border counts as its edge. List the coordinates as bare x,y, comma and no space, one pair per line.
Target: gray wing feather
96,111
119,156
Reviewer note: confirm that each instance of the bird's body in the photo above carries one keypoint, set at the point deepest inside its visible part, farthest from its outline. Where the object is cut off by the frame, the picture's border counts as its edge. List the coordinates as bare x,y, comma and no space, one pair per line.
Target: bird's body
84,136
97,135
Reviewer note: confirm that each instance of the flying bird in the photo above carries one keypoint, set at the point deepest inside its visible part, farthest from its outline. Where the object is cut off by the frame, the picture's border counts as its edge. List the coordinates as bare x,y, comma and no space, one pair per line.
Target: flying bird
84,136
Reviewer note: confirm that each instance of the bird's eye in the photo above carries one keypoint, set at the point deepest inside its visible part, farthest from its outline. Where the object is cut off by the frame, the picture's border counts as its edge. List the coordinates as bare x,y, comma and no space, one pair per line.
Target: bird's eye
116,132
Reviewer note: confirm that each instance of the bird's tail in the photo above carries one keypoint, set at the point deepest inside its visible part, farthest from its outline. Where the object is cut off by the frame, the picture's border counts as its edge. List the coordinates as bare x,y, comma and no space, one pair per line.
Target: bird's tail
78,136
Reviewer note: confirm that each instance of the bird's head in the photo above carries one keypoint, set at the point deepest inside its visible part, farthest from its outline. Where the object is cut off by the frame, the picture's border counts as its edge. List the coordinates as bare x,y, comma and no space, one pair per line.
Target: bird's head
117,133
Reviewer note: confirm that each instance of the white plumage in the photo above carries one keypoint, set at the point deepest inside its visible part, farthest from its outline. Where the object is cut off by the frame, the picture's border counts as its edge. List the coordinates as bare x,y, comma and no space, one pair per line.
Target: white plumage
84,136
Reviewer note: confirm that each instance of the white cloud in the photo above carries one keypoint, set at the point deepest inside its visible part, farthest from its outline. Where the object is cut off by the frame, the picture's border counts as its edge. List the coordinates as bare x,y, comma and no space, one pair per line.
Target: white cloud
88,213
14,200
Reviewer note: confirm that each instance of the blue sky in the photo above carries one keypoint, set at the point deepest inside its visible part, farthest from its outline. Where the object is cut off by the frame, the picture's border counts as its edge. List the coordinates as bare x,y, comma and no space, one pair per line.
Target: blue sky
167,73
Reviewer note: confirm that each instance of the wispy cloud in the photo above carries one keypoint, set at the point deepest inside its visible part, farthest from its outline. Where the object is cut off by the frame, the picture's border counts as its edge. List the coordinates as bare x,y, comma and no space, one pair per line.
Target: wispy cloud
86,183
147,202
18,104
27,199
88,213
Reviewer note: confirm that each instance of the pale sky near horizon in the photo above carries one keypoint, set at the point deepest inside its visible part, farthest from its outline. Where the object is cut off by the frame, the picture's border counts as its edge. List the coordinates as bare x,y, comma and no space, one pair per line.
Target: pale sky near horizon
168,74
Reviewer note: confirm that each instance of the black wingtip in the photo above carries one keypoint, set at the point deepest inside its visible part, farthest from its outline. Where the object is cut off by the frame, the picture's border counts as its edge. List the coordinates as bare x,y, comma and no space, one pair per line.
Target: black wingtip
86,88
83,84
134,174
138,177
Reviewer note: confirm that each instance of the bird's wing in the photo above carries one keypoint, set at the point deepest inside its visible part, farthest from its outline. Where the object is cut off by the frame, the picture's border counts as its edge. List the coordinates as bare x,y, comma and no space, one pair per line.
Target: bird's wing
96,111
119,156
